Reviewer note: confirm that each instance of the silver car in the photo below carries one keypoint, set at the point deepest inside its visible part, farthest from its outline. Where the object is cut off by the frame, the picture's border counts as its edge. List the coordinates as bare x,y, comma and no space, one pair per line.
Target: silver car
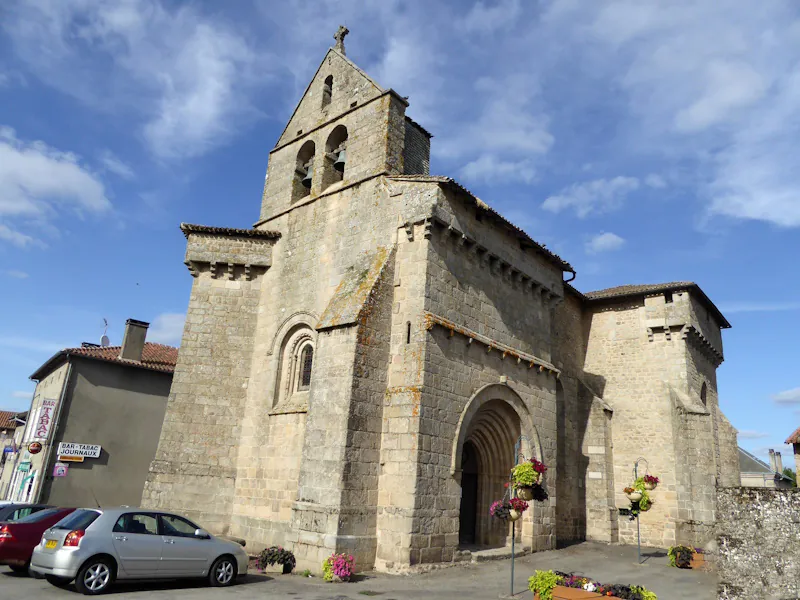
97,546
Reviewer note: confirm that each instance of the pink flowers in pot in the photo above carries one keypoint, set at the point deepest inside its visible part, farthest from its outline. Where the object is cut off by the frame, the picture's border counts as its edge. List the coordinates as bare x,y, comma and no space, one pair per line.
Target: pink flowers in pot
338,567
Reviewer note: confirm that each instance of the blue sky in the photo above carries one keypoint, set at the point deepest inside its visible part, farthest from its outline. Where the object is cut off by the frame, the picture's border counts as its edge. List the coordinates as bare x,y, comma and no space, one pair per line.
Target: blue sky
642,141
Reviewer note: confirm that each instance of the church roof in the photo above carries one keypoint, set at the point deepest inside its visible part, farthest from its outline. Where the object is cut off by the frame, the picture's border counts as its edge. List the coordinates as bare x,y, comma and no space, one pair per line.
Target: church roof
631,291
541,248
188,228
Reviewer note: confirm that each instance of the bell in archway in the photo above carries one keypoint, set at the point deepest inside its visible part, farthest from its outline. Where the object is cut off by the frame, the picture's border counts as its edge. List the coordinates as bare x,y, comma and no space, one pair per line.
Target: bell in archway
340,161
306,180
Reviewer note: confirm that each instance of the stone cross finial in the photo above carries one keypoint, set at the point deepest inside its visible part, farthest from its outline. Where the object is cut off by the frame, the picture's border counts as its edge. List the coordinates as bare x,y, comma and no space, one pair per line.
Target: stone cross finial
339,37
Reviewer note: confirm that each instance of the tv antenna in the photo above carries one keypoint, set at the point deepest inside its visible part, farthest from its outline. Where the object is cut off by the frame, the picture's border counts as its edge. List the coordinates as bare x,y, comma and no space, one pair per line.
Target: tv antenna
104,341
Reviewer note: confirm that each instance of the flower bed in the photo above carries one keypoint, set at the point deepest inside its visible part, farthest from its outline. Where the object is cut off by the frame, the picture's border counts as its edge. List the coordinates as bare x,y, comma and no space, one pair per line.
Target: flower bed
555,585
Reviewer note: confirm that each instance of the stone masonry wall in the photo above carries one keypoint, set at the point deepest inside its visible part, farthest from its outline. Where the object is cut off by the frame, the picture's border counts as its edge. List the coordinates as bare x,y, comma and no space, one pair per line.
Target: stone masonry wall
758,555
585,454
194,467
629,371
486,301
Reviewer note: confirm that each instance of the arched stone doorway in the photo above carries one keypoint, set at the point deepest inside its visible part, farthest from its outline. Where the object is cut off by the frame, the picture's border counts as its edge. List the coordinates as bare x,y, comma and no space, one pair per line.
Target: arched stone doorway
483,455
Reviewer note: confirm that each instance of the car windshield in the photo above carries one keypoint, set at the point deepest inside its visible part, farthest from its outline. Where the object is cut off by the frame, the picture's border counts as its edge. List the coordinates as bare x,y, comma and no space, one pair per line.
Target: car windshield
39,516
80,519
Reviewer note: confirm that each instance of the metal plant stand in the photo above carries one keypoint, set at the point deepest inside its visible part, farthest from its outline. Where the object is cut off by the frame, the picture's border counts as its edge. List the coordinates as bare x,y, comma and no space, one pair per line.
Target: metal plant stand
517,454
639,512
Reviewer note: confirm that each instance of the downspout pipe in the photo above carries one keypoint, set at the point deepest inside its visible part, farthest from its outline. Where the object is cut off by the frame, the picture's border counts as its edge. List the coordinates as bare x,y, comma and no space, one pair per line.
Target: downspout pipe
47,463
574,275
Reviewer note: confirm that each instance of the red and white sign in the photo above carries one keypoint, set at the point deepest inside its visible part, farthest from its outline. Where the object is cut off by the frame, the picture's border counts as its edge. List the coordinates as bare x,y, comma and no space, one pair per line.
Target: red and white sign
45,421
60,469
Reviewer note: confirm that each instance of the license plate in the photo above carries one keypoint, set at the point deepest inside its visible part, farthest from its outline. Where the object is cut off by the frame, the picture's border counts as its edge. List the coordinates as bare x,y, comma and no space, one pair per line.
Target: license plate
51,544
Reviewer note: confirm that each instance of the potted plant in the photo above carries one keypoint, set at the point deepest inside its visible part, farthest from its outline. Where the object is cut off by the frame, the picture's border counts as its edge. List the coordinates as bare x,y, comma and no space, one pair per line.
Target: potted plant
526,475
276,555
698,559
518,506
338,568
650,482
680,556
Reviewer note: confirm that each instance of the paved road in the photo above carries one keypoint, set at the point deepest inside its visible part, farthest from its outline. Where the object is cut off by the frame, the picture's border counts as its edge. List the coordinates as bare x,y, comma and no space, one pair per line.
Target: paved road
612,564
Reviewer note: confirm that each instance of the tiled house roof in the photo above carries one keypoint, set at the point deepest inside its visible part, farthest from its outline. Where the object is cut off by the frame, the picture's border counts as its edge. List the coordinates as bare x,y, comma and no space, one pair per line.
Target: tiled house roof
7,419
794,438
156,357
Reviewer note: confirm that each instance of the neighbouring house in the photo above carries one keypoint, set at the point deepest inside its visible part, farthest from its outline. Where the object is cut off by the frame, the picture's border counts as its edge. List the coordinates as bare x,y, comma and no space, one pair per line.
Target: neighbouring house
758,474
12,425
359,367
794,440
95,421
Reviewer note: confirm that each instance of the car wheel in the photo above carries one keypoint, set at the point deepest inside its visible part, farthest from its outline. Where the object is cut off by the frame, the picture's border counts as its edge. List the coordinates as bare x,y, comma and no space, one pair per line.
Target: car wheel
20,568
223,572
57,581
95,576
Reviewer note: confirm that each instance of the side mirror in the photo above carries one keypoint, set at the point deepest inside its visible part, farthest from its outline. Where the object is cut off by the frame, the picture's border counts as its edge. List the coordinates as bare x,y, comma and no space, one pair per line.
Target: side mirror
202,534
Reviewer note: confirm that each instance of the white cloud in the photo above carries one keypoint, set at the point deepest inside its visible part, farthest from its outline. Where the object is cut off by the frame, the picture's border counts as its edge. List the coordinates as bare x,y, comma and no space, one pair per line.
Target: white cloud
788,397
17,274
488,19
22,395
115,165
711,85
598,196
184,74
37,182
747,434
167,329
15,237
30,344
655,181
604,242
742,307
490,168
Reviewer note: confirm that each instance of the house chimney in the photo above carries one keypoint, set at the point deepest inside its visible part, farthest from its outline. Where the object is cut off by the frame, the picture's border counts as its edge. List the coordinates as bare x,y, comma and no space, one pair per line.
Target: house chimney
133,341
778,463
772,464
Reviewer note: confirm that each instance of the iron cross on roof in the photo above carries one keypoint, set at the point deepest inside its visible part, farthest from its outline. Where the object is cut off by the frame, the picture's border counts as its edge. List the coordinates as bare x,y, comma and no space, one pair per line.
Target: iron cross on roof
339,37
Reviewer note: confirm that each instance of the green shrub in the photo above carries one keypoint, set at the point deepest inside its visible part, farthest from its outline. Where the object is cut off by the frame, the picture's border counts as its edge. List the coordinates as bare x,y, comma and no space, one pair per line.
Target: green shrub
542,583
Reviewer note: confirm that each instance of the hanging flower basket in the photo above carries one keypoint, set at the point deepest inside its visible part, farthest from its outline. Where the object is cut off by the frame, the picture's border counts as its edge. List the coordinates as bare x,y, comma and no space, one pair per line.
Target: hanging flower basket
525,492
633,494
500,509
650,482
513,515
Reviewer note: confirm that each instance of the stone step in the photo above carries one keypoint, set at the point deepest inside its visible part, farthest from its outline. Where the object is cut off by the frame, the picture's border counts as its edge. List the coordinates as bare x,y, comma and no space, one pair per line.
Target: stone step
498,553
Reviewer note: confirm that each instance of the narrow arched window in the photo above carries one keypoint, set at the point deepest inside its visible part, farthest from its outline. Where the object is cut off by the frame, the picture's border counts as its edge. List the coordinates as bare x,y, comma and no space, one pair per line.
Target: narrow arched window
327,91
335,156
704,394
306,361
303,175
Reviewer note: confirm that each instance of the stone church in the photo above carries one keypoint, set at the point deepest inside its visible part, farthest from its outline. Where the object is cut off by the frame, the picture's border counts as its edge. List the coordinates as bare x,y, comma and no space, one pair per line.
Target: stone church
357,369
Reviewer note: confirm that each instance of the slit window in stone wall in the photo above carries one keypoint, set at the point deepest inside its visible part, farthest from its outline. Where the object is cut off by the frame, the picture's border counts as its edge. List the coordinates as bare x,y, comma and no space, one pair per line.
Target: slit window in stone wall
303,175
335,159
704,394
327,91
306,362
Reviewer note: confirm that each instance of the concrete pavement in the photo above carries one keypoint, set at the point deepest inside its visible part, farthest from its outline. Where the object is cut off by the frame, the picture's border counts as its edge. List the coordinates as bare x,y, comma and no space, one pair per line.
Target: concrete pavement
488,580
